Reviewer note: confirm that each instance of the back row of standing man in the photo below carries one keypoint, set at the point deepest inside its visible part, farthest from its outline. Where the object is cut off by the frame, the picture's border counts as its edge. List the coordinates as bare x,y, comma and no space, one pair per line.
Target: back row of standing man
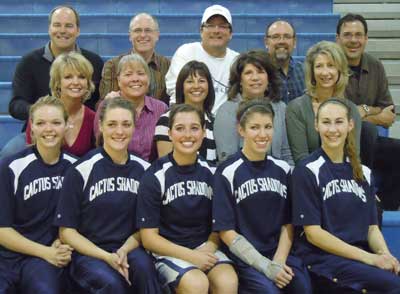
368,85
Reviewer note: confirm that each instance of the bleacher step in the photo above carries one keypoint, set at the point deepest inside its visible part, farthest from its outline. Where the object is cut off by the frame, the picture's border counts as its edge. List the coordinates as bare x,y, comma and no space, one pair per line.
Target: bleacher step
169,23
168,6
370,10
391,231
384,48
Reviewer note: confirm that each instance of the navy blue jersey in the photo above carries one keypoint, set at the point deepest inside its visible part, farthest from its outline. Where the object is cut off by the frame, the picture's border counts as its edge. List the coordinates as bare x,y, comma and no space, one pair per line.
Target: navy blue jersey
99,198
29,195
251,197
177,200
325,194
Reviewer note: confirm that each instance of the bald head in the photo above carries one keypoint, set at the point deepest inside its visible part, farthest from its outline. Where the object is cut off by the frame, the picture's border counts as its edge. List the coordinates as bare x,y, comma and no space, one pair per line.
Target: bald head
144,34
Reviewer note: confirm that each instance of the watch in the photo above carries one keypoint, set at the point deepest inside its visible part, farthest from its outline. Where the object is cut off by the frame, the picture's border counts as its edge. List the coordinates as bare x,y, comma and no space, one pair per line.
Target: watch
366,109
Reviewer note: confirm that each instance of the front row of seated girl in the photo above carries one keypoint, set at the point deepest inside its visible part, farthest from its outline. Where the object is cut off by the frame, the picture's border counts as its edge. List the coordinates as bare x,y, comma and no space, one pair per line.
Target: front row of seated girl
250,226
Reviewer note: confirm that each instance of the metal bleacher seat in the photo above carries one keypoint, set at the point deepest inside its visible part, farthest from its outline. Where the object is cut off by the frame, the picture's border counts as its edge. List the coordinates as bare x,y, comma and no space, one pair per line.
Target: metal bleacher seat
170,6
390,230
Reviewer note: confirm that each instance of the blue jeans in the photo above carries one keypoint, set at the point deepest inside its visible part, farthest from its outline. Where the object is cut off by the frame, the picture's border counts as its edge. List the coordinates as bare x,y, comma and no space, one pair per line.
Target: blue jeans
13,146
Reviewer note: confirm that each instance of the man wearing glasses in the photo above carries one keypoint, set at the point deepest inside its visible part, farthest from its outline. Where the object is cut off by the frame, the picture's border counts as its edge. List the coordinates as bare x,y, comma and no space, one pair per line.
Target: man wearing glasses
216,32
280,41
368,89
143,34
368,84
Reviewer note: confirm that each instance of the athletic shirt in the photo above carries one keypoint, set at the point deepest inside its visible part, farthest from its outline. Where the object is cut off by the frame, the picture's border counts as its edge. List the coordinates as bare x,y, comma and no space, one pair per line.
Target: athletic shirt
208,149
99,198
177,200
29,195
252,198
326,194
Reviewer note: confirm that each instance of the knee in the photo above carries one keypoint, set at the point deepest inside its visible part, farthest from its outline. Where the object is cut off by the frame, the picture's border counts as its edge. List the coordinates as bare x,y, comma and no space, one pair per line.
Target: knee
223,279
141,264
106,280
113,284
141,260
194,281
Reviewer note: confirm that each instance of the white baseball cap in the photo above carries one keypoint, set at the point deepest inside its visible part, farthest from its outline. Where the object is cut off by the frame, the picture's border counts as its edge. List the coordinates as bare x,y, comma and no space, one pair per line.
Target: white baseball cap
216,10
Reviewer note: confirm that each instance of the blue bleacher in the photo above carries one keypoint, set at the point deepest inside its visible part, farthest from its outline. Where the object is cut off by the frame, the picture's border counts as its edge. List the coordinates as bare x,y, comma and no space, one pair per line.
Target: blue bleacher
5,96
169,6
169,23
391,231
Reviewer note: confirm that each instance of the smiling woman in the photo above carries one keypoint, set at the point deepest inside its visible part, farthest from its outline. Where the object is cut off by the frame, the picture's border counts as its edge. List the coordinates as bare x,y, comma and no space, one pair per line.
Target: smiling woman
193,87
71,82
252,76
174,212
133,80
97,210
331,184
251,209
326,76
31,255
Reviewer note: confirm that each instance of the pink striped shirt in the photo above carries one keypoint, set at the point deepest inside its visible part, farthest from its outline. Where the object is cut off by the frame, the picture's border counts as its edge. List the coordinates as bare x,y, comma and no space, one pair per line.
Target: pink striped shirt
142,143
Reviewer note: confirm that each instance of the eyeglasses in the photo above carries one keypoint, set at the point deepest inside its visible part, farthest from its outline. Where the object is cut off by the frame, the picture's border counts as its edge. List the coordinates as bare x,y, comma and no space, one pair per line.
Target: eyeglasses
147,31
349,36
285,37
223,27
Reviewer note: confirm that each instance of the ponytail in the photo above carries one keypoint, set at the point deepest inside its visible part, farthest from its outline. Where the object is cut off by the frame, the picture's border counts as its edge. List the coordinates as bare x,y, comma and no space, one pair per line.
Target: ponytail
351,153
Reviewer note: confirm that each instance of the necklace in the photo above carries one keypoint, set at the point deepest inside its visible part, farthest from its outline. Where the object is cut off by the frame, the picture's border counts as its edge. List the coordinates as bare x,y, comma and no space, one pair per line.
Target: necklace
72,120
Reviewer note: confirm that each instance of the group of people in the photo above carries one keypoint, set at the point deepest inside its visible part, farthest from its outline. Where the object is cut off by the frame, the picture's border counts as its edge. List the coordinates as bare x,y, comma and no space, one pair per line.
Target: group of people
121,194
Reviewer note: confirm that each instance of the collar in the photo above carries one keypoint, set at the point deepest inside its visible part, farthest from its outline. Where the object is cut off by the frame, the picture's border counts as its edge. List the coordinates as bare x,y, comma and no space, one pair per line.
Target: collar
290,68
365,62
154,60
185,169
48,55
148,104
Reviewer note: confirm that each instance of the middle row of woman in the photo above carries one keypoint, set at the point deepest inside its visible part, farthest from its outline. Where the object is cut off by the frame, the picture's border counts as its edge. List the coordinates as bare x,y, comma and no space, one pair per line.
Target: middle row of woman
252,76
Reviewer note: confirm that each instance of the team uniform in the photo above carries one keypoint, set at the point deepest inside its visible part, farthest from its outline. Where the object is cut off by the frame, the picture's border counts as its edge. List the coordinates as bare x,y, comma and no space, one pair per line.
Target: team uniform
208,149
252,198
177,200
29,196
99,200
328,196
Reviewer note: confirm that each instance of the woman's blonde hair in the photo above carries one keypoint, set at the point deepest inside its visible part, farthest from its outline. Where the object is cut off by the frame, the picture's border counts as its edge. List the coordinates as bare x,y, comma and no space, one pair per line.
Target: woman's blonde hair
333,51
70,61
131,59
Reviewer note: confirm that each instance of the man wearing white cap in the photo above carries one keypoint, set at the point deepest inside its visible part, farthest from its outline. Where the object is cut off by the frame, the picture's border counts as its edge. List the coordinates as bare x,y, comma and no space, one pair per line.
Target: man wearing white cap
216,32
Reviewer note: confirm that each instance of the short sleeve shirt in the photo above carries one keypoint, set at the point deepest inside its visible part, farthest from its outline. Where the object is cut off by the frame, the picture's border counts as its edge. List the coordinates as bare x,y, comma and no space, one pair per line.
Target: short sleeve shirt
99,198
177,200
252,198
29,194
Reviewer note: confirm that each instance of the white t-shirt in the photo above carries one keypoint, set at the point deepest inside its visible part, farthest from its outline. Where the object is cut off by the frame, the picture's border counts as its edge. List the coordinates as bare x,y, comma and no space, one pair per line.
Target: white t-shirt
219,69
